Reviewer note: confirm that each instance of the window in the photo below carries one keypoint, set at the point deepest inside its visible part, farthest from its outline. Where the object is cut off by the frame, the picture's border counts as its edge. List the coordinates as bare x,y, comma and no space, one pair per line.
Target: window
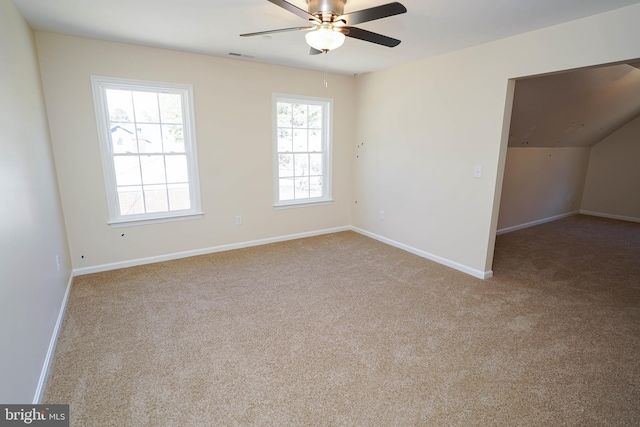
302,153
147,140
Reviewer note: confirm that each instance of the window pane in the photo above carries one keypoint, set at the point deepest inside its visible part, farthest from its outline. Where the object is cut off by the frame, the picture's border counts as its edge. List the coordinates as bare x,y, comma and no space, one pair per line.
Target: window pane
301,149
170,107
123,139
284,114
315,140
130,200
285,165
301,164
179,198
286,188
299,140
148,148
177,170
127,169
173,136
302,188
120,105
152,169
149,138
285,140
145,105
315,164
315,186
155,197
299,115
315,116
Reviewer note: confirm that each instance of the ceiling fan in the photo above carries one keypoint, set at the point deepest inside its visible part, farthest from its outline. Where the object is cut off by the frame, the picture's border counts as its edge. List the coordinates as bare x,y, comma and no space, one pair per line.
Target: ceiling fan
330,25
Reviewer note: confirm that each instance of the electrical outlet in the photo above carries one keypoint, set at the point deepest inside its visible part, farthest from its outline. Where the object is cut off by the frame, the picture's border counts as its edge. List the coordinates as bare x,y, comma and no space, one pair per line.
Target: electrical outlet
381,216
477,172
238,219
58,262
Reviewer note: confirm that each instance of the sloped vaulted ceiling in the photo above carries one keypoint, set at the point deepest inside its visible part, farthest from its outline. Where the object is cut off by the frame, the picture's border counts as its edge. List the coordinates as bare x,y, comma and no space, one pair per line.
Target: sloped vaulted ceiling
576,108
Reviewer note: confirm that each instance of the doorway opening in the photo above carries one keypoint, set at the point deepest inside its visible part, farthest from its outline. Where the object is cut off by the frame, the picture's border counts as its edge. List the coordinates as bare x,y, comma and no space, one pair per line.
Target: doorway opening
569,147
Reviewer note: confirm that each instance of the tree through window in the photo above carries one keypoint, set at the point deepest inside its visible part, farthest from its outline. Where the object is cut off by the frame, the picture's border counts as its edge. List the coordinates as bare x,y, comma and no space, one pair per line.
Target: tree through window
302,146
148,147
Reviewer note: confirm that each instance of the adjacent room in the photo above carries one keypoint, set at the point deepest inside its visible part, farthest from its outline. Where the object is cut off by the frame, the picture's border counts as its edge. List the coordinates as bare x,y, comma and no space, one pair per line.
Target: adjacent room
573,146
211,219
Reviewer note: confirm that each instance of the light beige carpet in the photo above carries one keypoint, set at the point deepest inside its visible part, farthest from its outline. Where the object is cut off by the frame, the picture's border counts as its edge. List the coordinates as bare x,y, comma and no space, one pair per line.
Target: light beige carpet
344,330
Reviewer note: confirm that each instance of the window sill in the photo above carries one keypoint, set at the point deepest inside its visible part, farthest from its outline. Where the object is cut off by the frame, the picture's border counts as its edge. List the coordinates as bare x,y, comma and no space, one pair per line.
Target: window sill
145,221
301,204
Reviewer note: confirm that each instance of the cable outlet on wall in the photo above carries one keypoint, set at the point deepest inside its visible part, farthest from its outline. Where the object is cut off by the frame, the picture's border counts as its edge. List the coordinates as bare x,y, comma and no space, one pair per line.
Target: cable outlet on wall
238,219
381,216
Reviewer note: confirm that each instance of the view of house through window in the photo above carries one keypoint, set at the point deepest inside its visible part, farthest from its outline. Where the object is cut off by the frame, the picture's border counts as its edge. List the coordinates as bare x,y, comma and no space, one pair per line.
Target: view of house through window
302,141
148,149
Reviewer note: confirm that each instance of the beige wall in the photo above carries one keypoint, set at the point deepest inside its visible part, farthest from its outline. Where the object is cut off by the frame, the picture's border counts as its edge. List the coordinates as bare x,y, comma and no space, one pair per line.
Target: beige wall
426,125
32,230
234,137
612,186
541,183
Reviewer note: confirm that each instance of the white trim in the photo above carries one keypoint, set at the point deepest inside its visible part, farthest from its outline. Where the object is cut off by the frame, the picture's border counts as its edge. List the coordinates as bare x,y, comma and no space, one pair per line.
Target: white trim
131,223
44,374
327,147
610,216
537,222
204,251
440,260
99,85
305,202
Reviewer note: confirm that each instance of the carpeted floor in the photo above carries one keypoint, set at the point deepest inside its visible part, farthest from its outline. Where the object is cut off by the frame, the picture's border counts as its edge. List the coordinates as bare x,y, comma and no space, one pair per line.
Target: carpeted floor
343,330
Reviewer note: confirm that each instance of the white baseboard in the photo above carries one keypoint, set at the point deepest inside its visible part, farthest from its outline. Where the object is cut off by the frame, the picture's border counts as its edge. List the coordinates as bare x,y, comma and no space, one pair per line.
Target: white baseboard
610,216
168,257
537,222
440,260
44,374
203,251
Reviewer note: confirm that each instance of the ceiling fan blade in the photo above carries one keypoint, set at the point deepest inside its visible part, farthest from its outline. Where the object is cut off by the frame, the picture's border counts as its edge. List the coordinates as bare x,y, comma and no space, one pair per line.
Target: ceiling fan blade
315,51
368,36
295,10
372,13
281,30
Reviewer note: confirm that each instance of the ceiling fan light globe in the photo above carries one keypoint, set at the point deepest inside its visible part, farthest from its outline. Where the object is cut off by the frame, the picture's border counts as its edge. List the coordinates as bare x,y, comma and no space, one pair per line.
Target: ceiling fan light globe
324,39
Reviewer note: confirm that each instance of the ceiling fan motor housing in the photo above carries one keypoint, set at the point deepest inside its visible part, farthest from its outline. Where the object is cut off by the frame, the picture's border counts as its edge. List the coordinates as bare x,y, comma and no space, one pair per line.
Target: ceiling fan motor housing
326,9
331,25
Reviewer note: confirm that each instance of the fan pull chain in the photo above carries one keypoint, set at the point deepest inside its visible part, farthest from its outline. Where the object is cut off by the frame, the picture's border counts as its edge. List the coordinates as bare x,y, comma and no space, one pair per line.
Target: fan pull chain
326,61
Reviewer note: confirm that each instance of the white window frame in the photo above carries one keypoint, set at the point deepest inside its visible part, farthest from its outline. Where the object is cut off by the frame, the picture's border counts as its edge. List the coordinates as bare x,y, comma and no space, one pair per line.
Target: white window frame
327,142
100,85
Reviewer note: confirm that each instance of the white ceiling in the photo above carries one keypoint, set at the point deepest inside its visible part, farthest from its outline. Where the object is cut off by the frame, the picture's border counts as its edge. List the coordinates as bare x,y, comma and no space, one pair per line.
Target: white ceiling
212,27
